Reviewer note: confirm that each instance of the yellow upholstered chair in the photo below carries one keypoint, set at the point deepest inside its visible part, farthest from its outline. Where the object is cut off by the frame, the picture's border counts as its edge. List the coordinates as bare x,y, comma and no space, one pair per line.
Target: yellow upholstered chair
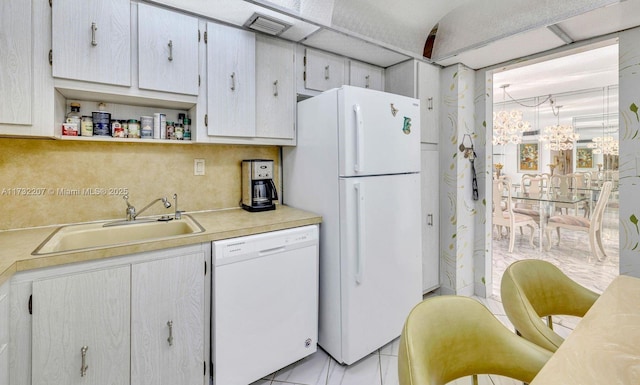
449,337
532,289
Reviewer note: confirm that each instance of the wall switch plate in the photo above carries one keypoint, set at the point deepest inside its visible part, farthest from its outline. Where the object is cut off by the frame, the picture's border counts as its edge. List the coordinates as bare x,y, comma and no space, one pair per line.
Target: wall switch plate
198,167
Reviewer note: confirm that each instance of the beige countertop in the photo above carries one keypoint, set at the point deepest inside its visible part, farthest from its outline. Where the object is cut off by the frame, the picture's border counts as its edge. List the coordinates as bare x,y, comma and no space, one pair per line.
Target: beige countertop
16,246
603,348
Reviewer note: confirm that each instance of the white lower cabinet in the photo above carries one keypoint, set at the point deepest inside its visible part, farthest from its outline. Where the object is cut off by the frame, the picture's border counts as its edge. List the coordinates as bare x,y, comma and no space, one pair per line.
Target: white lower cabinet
430,218
136,319
4,334
81,328
167,321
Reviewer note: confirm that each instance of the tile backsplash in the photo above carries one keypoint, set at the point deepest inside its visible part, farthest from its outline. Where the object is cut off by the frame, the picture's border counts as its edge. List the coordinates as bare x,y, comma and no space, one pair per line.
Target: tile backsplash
45,182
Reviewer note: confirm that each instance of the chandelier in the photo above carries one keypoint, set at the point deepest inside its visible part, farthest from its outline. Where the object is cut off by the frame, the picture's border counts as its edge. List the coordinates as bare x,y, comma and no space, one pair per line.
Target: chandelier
607,145
508,126
559,137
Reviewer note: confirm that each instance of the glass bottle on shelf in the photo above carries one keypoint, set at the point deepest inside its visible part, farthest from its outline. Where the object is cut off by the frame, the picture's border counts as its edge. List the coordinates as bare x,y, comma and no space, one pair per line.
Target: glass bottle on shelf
74,116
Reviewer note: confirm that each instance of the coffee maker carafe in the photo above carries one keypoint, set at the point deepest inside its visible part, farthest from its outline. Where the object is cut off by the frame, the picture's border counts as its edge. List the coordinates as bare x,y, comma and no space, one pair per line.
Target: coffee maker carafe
258,189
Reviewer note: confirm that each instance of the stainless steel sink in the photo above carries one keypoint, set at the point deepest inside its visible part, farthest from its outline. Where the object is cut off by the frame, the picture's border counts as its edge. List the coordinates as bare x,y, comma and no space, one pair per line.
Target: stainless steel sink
102,234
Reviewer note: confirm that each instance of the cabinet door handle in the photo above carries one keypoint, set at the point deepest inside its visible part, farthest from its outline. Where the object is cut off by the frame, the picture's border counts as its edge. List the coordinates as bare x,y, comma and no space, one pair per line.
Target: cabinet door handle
326,73
366,78
84,366
430,107
170,339
94,28
233,81
170,50
275,88
429,219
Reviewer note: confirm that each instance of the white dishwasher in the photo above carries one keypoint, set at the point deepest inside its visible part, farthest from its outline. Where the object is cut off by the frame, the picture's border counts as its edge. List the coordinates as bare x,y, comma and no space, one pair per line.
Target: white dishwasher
265,303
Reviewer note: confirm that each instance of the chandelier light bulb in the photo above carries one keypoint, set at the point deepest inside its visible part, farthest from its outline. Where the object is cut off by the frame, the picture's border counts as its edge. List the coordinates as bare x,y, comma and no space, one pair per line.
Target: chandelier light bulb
559,137
508,127
607,145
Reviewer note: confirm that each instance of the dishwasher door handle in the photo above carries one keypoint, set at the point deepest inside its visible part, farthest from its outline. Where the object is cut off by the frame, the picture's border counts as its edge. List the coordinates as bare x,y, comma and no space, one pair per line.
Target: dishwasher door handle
273,250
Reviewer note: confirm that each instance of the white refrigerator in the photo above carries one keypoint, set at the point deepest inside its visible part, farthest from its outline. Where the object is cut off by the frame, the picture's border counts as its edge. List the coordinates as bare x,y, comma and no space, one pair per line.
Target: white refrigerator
357,163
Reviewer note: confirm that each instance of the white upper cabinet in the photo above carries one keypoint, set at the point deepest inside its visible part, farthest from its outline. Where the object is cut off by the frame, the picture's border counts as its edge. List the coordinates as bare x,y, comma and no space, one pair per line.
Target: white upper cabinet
15,62
275,88
92,40
401,79
231,81
365,75
167,50
420,80
323,71
428,91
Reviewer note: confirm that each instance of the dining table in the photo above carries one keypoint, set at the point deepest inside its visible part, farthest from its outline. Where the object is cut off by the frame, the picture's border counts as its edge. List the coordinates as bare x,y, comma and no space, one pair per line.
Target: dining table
546,205
604,348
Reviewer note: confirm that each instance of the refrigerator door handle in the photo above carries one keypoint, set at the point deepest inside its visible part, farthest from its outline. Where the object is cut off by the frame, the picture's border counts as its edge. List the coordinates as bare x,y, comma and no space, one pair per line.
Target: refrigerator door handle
359,233
359,165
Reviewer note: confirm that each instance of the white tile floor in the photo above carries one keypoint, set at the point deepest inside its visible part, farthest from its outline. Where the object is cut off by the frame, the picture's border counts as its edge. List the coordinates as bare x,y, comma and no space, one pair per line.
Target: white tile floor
380,367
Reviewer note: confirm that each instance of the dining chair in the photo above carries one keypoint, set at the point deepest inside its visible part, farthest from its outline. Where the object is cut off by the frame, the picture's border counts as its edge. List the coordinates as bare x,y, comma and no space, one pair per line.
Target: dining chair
591,225
449,337
563,185
532,289
533,185
504,216
583,186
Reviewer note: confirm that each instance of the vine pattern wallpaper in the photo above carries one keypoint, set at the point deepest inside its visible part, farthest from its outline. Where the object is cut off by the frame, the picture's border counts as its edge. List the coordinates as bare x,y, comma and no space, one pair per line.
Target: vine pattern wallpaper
465,234
457,207
629,123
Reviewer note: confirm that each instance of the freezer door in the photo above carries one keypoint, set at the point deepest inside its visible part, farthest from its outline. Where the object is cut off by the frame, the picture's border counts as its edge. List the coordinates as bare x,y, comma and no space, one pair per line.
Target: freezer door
380,259
379,133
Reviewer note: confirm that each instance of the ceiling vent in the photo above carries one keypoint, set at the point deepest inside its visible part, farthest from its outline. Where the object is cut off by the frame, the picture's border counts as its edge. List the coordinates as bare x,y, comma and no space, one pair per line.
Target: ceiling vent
531,133
266,24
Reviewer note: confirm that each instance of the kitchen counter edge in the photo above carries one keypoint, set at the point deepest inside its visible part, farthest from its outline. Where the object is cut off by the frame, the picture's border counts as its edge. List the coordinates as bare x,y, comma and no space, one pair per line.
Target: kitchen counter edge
17,245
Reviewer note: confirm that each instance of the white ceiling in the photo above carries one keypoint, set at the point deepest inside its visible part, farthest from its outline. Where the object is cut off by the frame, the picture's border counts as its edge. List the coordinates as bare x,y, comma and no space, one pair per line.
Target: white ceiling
476,33
585,70
584,84
501,33
483,22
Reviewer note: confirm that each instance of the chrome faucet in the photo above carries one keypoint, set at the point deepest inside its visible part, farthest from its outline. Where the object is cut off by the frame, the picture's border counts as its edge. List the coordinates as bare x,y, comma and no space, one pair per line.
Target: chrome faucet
178,214
131,212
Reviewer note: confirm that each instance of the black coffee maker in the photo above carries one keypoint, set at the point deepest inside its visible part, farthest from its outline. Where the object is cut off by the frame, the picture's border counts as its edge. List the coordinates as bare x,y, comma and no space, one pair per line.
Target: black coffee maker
258,189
